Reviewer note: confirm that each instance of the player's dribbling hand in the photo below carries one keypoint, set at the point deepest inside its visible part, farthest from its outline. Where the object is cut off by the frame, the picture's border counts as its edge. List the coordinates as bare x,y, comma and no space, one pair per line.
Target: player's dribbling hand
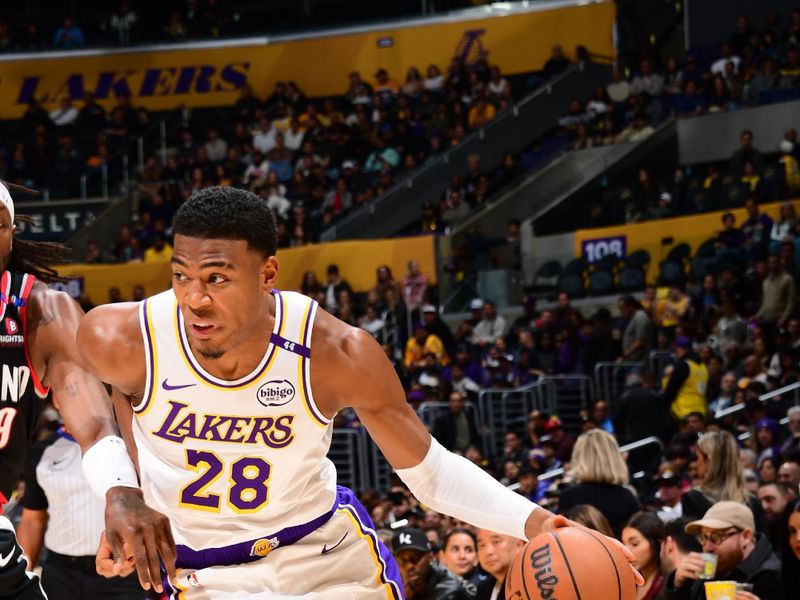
557,521
134,528
689,568
104,561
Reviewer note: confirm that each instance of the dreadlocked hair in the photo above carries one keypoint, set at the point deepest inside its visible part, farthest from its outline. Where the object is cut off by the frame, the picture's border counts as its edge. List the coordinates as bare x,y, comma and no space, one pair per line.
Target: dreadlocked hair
36,258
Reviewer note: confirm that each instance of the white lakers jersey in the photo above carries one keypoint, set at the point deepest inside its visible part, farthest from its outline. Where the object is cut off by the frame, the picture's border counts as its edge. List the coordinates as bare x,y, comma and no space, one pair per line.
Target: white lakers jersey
228,461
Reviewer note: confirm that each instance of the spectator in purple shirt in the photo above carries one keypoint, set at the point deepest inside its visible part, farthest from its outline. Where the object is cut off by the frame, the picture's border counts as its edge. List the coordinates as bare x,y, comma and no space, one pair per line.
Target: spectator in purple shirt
471,368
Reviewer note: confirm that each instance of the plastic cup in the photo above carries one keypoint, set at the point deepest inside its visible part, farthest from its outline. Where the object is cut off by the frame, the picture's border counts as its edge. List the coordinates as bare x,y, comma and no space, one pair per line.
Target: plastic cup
709,566
720,590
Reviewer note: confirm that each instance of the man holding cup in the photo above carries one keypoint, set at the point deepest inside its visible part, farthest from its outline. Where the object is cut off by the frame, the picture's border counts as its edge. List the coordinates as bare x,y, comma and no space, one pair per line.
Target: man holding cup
726,533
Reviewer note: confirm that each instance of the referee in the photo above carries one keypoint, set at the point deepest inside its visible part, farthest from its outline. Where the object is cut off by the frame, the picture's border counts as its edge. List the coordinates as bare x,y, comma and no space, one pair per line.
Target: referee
62,513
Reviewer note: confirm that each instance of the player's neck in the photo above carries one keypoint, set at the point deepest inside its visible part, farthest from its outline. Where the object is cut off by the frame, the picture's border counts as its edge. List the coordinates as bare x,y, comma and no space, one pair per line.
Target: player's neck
244,354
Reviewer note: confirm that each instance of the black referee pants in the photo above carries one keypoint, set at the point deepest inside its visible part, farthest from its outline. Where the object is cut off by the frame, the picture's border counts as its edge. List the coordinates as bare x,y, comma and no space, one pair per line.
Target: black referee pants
75,578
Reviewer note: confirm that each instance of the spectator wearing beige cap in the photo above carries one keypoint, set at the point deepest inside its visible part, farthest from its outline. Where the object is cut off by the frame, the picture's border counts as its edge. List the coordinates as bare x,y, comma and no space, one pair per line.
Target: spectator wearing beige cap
728,530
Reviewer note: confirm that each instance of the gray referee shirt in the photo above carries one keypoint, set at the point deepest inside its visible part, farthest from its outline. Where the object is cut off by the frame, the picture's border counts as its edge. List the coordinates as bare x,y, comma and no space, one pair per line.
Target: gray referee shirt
54,481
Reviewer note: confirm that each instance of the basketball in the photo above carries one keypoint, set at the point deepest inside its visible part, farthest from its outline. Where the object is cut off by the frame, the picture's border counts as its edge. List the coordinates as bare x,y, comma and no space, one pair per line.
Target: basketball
569,563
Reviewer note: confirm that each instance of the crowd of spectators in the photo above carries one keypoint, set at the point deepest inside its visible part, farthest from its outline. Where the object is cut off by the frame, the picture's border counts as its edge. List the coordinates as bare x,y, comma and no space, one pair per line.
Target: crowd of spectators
748,174
752,67
50,151
313,162
732,339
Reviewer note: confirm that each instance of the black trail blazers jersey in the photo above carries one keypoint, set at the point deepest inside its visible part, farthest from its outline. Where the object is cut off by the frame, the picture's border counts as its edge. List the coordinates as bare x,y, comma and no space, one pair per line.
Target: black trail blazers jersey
21,392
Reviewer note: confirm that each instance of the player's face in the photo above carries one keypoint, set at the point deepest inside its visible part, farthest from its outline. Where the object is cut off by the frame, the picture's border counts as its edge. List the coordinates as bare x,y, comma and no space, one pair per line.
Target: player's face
222,287
6,236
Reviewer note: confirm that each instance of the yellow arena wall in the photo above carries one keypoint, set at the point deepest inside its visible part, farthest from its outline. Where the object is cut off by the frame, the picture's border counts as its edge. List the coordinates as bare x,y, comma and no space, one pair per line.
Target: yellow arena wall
357,260
162,78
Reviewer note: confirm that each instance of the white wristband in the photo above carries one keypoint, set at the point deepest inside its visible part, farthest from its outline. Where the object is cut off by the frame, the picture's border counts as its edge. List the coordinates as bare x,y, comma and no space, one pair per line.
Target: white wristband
107,464
450,484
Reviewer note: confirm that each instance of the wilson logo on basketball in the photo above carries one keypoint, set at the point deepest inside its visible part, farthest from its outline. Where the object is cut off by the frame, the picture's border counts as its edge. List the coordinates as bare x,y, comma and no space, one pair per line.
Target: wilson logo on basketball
546,580
275,393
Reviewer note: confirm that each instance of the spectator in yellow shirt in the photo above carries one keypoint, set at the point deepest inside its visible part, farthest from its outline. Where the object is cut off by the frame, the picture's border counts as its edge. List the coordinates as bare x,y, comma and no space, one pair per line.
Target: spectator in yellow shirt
385,87
671,309
419,345
160,251
481,113
790,170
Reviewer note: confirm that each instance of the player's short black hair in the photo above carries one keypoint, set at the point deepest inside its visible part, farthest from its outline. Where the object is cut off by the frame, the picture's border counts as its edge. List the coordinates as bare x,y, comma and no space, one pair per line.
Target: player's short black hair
230,214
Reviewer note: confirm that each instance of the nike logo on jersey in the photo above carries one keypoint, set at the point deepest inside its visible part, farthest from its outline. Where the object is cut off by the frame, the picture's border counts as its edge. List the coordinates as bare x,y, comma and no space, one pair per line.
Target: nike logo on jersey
172,388
4,560
325,548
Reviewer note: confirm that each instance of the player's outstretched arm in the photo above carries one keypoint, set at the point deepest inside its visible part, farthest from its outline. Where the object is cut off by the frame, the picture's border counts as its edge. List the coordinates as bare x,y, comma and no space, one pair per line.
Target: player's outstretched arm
355,372
111,347
362,378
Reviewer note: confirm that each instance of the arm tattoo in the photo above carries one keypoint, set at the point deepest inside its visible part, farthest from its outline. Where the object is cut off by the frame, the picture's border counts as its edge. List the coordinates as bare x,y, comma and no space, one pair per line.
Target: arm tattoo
72,389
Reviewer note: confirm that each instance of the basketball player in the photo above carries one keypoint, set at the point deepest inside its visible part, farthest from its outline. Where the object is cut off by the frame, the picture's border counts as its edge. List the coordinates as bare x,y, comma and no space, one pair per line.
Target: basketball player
230,387
38,356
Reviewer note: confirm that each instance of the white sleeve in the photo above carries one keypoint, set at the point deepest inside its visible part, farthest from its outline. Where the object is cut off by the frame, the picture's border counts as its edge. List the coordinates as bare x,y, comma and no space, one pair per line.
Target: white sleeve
451,484
107,464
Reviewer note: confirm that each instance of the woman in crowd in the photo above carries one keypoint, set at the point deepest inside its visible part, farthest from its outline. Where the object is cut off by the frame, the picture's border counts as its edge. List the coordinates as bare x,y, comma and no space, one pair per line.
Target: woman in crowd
310,286
720,478
642,535
459,554
765,439
434,82
768,470
383,281
588,516
790,555
415,286
601,476
413,85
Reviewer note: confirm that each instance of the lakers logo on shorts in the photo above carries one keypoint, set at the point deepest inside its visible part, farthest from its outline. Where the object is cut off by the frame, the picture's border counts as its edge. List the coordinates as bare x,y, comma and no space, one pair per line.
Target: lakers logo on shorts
264,546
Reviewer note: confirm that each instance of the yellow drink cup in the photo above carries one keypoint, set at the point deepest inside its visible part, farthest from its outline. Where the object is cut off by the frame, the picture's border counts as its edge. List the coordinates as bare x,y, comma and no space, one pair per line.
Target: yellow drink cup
720,590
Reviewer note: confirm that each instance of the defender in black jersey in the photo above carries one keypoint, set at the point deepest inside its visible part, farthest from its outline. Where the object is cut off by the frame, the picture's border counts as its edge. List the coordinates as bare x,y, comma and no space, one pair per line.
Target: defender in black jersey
38,356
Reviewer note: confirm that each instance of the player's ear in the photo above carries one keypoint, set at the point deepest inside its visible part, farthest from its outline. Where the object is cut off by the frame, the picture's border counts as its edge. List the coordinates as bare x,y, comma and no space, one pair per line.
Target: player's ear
269,273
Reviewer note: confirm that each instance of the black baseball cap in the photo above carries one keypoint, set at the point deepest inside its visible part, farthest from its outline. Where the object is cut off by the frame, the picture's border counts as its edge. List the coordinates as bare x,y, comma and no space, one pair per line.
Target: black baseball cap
668,478
410,539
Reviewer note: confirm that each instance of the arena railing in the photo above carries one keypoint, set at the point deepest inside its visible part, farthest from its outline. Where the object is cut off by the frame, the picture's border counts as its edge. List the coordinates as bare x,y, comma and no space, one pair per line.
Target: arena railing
502,410
565,396
644,442
609,379
778,393
429,411
348,452
660,360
